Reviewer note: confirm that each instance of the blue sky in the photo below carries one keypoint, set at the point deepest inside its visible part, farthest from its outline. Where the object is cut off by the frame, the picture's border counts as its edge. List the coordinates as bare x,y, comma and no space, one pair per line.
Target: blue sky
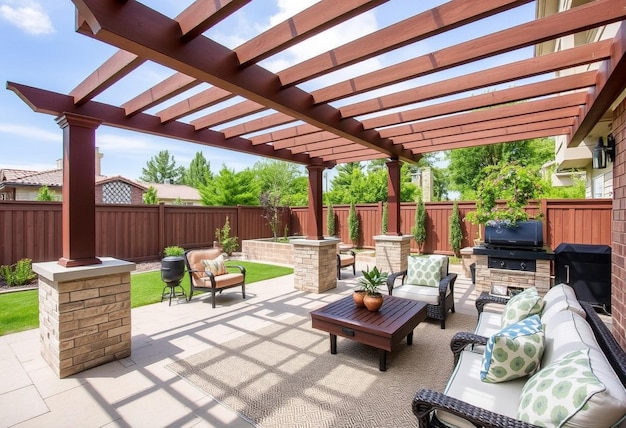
40,48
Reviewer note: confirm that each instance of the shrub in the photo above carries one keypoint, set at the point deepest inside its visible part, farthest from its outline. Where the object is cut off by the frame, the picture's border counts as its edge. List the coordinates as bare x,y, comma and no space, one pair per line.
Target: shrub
353,225
456,233
228,243
173,250
419,229
18,274
330,221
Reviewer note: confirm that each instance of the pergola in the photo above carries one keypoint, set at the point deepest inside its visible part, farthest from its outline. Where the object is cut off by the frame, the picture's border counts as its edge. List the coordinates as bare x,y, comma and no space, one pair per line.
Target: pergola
322,127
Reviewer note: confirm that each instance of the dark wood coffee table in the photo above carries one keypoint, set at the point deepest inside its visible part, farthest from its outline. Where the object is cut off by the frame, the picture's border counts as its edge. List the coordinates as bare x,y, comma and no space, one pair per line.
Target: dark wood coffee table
383,330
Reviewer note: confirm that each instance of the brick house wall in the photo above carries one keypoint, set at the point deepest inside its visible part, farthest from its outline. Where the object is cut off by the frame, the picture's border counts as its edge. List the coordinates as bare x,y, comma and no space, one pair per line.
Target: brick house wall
618,299
134,196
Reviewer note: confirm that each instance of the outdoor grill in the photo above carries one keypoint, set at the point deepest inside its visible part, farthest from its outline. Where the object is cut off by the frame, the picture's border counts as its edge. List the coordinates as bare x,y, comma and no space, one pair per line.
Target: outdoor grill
513,257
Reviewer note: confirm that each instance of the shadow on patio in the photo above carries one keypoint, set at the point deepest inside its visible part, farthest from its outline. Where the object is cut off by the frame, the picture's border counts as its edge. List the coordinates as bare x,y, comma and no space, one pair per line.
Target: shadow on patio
142,390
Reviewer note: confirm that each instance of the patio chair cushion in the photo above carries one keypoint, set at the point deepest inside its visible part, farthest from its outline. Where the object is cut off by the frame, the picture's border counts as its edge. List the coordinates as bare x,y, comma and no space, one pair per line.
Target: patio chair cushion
424,271
513,352
581,389
222,281
521,306
424,294
215,266
346,259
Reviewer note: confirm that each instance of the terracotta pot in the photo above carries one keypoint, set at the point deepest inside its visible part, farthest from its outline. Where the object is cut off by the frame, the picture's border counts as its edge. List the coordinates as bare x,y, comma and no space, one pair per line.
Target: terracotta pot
358,297
373,302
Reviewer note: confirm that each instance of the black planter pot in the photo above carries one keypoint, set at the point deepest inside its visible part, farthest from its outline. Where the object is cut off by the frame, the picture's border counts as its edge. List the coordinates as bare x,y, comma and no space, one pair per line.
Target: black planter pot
172,269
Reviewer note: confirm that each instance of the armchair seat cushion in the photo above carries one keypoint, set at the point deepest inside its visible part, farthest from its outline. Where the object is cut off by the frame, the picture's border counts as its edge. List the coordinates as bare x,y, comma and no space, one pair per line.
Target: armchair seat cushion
346,259
221,281
424,294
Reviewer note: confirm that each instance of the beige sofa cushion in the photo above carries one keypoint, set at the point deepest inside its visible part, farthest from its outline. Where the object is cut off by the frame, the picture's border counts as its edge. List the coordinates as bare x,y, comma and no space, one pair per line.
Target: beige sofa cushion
465,385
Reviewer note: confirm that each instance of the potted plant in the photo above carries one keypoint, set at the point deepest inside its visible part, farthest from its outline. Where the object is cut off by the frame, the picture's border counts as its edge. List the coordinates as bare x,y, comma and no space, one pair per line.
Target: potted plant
369,283
510,182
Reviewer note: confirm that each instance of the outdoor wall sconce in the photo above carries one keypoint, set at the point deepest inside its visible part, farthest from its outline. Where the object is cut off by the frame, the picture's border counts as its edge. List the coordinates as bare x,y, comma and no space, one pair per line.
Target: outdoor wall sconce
601,152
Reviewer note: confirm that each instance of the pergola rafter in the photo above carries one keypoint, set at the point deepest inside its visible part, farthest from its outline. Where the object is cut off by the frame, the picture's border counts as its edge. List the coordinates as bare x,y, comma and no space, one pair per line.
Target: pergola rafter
272,100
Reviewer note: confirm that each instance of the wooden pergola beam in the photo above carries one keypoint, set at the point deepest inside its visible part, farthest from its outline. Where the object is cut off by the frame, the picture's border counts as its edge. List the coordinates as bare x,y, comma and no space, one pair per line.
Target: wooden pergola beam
195,103
460,144
611,82
311,21
194,20
558,117
438,20
260,124
502,131
573,100
512,95
523,69
590,15
210,62
55,104
227,114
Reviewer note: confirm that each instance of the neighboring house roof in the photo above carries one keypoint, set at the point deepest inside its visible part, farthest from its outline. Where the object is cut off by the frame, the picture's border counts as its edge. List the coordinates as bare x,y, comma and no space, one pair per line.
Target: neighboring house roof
50,178
175,191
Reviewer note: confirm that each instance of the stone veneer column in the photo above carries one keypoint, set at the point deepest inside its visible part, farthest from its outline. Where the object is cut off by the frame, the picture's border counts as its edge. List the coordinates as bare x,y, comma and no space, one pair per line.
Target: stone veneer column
392,252
84,314
315,264
486,277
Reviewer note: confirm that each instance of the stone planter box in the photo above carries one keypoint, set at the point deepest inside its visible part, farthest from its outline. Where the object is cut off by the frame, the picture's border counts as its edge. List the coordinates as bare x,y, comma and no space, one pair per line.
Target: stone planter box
266,250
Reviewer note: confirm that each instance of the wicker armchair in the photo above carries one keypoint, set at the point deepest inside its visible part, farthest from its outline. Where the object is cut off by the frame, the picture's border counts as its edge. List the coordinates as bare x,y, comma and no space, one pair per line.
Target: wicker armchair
440,300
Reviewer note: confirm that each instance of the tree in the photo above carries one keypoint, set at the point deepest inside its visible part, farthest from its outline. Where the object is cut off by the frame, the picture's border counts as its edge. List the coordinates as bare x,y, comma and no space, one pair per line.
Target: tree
198,173
271,211
467,166
353,225
150,196
230,189
357,184
44,194
385,219
456,233
510,182
162,169
330,221
419,229
284,180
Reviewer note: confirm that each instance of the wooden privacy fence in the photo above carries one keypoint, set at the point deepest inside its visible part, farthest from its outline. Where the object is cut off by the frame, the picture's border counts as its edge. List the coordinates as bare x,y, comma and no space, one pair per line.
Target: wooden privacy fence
140,232
582,221
128,232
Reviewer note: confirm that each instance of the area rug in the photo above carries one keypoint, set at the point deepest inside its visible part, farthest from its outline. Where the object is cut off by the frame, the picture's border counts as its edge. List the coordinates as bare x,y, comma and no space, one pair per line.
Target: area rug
284,375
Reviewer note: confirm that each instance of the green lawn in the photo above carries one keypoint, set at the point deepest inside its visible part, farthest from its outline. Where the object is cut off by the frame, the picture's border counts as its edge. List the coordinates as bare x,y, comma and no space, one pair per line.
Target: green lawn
20,311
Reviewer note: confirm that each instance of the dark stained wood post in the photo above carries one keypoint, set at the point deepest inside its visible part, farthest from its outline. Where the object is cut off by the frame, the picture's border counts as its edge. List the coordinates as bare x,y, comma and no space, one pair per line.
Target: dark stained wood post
393,197
314,228
79,191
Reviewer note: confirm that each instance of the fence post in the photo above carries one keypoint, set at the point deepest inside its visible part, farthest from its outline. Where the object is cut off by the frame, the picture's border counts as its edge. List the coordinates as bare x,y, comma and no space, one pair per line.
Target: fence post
161,227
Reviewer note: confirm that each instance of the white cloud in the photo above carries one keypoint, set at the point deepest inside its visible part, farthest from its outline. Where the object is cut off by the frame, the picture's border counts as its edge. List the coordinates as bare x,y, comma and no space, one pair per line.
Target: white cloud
27,15
28,132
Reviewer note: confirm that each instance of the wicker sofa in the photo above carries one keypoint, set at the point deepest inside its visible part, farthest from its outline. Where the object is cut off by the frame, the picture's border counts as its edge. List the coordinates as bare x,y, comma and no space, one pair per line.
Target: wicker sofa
438,294
571,330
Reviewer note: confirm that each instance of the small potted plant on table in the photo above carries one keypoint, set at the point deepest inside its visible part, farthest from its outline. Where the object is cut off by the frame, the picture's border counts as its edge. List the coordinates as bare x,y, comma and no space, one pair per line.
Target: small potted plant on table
369,283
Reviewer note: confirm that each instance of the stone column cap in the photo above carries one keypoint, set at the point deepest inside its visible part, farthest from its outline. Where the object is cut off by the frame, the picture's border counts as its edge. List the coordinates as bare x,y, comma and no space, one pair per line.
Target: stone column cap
52,271
392,238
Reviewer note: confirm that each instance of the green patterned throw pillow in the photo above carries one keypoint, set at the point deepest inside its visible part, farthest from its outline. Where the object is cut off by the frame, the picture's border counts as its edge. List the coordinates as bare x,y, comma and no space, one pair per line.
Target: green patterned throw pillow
424,271
521,306
513,352
559,391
